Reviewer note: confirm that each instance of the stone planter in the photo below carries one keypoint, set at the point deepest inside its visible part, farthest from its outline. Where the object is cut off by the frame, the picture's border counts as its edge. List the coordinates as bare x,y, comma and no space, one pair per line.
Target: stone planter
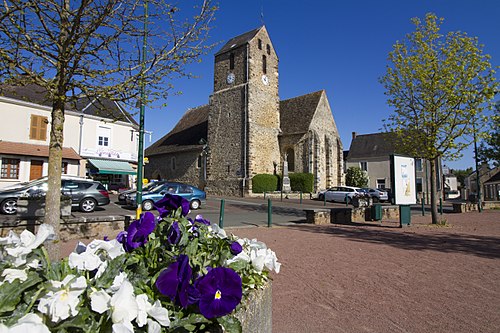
361,202
35,207
256,313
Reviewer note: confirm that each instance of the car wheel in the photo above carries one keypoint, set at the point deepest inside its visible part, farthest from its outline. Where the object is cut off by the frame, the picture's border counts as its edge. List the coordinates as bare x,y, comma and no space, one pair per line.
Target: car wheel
376,199
88,205
147,205
9,206
321,197
195,204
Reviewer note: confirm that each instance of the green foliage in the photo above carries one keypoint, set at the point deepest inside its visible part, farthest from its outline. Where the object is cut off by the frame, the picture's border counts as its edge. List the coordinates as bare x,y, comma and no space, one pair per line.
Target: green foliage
356,177
439,86
461,175
489,149
264,183
301,182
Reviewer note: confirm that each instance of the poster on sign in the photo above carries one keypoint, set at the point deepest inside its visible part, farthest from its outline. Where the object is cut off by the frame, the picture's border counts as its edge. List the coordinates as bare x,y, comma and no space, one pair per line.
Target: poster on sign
403,180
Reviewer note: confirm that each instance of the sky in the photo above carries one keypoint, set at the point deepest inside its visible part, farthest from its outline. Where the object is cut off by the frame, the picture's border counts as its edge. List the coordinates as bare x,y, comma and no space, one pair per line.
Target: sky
339,46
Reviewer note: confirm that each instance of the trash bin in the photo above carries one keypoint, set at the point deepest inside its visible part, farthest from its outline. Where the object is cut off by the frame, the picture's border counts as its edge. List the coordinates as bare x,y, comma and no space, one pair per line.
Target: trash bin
376,212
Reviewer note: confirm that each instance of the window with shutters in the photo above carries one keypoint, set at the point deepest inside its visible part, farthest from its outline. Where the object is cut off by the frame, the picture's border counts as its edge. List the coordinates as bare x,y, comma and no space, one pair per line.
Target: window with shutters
38,127
10,168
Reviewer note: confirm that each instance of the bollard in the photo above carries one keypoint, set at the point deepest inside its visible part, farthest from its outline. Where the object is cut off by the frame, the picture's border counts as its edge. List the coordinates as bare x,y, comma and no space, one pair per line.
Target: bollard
281,195
269,213
264,195
300,202
221,215
423,207
441,206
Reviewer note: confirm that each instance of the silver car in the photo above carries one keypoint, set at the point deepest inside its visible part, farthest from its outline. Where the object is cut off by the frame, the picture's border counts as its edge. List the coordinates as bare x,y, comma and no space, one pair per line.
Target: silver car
340,193
378,195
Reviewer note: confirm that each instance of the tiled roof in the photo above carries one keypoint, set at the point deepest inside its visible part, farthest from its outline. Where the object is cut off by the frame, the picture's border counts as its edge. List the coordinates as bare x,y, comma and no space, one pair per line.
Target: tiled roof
372,145
297,113
26,149
238,41
186,135
100,107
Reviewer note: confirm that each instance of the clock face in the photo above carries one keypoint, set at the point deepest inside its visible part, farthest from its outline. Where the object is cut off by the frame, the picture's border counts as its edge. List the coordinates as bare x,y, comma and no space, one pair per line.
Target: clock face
265,80
230,78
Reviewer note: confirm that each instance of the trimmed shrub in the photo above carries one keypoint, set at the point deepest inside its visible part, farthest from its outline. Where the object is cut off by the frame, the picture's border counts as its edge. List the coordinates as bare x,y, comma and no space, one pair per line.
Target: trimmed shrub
264,183
301,182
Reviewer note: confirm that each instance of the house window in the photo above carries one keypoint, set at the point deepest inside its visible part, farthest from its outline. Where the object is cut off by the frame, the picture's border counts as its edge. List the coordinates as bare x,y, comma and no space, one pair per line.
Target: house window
381,183
38,127
260,44
268,49
103,135
10,168
363,166
264,64
231,61
64,168
418,164
173,163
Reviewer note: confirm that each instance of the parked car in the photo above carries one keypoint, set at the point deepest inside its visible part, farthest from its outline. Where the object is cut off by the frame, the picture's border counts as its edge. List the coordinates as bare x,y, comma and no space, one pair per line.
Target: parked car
85,194
340,193
122,197
194,195
378,195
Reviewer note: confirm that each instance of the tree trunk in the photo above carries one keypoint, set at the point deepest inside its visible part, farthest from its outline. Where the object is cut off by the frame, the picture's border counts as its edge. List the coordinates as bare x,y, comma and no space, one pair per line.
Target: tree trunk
434,195
53,199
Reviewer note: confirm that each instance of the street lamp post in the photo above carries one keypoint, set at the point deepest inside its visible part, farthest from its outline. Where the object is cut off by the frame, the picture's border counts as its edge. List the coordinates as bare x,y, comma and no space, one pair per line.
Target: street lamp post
478,181
140,155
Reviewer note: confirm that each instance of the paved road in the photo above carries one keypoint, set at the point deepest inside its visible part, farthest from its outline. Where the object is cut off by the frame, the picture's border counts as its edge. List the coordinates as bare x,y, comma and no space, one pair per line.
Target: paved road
239,212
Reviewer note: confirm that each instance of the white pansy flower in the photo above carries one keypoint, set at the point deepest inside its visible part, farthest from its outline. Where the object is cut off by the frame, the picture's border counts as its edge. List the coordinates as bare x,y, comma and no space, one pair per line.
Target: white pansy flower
18,249
124,307
155,311
117,282
123,328
29,323
12,238
100,301
85,261
61,302
214,229
112,247
11,274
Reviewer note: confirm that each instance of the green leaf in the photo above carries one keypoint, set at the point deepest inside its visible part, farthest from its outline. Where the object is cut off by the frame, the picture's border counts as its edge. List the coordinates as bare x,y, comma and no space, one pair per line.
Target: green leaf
11,293
230,324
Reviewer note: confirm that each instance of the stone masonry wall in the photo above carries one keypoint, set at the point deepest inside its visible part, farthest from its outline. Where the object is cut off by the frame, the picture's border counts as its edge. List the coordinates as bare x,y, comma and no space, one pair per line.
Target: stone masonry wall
186,168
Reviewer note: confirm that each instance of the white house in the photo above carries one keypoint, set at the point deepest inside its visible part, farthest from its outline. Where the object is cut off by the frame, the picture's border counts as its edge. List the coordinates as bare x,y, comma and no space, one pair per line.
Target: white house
100,138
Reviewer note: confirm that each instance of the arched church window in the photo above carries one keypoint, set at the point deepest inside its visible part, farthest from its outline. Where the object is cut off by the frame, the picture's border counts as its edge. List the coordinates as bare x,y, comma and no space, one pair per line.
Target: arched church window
260,44
268,47
290,158
264,64
231,61
173,163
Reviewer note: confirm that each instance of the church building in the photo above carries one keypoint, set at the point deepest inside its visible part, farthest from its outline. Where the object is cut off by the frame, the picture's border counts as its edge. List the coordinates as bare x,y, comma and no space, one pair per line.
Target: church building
246,130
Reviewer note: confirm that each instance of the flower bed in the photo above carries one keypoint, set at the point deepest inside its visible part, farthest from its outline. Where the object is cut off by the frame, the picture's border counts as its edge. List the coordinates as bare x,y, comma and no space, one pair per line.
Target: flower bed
165,274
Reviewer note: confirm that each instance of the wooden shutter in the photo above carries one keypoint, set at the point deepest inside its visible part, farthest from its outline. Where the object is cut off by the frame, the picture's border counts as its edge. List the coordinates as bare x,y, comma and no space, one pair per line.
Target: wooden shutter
38,128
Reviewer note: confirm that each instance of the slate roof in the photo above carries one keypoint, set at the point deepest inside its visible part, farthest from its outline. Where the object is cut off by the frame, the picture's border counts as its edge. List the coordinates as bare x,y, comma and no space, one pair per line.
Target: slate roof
238,41
101,107
372,145
297,113
186,135
26,149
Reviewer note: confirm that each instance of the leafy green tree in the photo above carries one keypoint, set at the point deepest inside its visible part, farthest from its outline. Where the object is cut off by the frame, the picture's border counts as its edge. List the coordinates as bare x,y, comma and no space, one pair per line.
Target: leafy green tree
95,49
356,177
439,86
461,175
489,150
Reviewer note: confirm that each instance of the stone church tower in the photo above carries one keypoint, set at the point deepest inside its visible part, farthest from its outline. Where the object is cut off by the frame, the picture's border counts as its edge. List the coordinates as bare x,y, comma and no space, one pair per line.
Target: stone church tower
244,116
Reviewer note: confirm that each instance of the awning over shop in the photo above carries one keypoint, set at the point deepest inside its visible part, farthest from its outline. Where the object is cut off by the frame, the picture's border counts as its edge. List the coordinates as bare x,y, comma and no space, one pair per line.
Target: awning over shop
112,167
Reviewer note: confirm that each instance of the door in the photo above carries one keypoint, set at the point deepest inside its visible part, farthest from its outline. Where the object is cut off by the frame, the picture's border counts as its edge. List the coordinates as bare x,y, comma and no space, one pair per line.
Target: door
36,169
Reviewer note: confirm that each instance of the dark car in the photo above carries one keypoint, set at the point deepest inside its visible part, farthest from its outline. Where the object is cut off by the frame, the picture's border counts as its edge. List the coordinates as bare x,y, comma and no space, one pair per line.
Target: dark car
194,195
122,197
85,194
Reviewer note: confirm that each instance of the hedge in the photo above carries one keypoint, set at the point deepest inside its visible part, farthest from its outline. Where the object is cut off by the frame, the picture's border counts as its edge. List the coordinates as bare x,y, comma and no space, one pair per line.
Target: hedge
301,182
264,183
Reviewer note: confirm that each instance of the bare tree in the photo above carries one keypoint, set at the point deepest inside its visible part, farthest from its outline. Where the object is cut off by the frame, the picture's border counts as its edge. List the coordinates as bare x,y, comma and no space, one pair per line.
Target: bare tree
93,49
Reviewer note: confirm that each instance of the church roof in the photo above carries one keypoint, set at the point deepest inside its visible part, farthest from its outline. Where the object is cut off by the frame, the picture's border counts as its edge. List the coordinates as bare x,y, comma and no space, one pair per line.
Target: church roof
238,41
186,135
297,113
372,145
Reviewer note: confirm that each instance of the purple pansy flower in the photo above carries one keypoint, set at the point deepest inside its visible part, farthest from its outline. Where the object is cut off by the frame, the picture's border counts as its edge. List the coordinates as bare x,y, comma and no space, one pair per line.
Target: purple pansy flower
236,248
174,233
138,232
201,220
174,280
171,203
220,292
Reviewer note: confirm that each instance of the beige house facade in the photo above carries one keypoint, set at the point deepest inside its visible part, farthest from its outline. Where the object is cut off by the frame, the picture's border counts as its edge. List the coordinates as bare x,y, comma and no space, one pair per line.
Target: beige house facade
91,140
245,129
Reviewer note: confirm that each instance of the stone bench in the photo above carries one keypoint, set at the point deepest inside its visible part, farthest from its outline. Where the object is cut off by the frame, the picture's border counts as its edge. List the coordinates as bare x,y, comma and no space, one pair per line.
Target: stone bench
317,216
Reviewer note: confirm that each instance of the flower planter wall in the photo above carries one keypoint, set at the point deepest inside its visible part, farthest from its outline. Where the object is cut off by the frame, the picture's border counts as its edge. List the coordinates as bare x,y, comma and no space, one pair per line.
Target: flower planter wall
256,314
36,207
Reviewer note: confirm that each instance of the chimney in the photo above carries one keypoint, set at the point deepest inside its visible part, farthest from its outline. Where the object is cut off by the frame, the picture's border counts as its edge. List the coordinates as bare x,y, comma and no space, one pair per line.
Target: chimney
354,135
